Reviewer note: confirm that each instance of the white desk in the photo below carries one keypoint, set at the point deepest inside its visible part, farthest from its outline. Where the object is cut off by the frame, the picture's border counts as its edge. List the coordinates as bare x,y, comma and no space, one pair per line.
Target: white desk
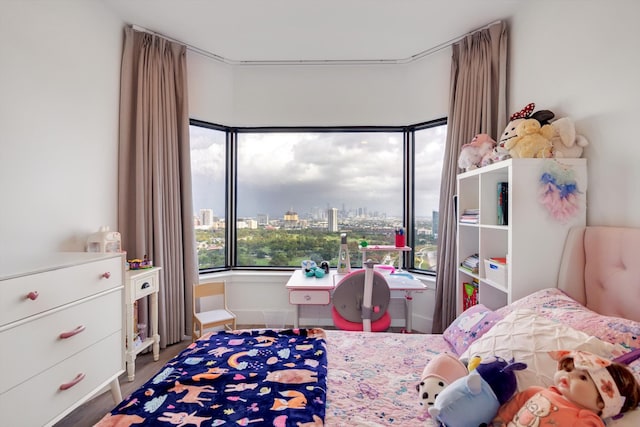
305,290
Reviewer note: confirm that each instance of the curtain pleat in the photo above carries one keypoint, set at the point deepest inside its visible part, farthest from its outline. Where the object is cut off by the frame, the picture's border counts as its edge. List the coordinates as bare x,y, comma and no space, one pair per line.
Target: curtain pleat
477,104
155,215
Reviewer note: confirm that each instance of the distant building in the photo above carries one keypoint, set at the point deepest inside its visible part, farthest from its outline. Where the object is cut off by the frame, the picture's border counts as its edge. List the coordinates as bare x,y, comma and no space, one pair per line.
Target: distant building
291,219
332,219
263,219
435,219
206,217
249,223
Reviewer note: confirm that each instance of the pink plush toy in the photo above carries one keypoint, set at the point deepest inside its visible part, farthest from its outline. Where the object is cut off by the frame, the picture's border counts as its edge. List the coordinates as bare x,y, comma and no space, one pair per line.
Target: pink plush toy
473,153
441,371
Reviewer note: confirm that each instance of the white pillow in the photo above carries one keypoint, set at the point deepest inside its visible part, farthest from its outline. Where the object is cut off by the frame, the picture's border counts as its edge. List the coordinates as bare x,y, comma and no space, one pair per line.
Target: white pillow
527,337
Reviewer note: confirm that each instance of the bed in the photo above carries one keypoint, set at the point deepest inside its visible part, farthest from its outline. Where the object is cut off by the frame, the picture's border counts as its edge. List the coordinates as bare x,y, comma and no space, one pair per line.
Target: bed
314,377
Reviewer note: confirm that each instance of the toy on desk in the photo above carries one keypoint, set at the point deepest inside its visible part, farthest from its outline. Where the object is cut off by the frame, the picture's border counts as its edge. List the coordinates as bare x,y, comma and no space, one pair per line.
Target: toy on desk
325,266
311,269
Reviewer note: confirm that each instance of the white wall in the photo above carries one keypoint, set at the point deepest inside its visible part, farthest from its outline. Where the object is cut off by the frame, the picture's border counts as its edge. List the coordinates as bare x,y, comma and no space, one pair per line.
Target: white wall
321,95
581,59
59,86
59,80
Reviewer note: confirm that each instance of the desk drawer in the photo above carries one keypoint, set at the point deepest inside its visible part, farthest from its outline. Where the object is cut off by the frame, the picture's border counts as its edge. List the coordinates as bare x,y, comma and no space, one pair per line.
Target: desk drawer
309,297
38,344
55,288
38,400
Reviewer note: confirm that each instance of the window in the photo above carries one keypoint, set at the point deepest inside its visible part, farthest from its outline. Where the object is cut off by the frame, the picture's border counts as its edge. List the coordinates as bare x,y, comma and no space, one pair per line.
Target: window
429,153
297,191
292,192
208,179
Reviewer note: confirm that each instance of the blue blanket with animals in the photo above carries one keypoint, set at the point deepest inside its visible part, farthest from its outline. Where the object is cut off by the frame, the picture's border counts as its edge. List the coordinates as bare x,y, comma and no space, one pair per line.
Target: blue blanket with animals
250,377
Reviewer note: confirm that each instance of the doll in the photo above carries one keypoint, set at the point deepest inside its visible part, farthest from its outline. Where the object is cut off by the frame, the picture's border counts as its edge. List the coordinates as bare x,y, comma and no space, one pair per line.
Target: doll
587,389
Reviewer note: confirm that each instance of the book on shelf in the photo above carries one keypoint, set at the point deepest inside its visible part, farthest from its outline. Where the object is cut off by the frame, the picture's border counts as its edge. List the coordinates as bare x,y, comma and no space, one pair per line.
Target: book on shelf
471,263
470,216
469,294
503,203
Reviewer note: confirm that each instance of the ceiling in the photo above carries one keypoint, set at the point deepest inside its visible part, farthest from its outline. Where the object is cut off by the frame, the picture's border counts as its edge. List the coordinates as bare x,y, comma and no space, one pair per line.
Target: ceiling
241,31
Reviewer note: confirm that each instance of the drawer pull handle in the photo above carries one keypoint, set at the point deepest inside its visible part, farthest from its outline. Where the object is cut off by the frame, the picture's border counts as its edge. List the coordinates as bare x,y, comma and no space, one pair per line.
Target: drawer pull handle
106,274
73,382
145,285
307,297
33,295
69,334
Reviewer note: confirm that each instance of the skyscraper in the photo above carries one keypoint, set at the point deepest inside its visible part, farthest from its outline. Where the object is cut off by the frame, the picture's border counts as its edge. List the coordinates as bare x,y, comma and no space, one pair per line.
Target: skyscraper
332,219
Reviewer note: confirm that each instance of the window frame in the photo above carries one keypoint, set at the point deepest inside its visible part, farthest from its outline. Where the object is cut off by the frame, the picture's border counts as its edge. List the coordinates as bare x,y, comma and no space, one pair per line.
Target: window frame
231,196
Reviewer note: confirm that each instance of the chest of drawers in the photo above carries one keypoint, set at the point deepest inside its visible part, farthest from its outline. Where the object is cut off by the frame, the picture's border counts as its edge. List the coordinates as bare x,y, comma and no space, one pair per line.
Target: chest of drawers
61,328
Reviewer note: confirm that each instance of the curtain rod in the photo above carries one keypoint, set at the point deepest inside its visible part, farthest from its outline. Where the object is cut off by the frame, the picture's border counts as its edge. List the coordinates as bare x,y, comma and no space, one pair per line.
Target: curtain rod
399,61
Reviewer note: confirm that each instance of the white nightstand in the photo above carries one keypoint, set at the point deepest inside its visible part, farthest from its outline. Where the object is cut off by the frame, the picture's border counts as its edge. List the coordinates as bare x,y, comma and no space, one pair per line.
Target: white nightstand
139,284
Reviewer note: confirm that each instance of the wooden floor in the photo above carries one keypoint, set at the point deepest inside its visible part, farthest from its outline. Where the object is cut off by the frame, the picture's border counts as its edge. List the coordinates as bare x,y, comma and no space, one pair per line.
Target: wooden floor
92,411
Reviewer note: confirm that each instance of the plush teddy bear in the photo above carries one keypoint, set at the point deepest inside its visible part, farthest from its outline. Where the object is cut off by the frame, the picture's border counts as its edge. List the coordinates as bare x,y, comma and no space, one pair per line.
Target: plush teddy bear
475,398
510,131
531,140
472,153
566,143
441,371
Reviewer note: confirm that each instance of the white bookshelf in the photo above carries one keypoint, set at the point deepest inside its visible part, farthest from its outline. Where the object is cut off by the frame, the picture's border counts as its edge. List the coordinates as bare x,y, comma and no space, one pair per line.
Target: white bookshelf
532,241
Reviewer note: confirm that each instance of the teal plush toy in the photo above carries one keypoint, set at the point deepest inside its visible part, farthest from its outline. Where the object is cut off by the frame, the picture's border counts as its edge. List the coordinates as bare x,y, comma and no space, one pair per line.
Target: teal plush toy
473,400
311,269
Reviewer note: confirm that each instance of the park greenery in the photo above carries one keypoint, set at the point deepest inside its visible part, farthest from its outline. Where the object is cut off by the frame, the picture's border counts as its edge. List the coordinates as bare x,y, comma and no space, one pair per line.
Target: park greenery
289,247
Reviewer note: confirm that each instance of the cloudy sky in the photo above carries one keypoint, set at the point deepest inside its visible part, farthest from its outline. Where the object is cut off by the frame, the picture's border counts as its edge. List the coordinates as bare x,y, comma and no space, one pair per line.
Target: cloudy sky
303,171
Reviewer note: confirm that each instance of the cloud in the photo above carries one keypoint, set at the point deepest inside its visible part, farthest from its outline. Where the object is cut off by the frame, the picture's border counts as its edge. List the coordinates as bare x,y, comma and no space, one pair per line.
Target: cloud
302,171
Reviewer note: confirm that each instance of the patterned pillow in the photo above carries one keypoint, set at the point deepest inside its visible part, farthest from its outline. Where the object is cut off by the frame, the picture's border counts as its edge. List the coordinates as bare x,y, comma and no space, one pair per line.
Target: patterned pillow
555,304
528,337
469,326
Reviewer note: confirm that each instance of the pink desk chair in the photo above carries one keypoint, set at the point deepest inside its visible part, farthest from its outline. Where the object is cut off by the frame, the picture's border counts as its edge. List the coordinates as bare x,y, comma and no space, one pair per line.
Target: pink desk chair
361,300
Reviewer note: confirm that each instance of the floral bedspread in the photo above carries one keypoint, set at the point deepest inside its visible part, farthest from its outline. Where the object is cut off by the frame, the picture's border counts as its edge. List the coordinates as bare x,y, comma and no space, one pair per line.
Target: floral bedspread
256,377
372,377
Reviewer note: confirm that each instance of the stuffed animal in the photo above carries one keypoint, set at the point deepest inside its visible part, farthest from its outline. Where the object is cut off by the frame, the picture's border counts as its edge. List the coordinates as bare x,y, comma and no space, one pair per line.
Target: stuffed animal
474,399
566,143
542,116
441,371
531,140
498,154
472,153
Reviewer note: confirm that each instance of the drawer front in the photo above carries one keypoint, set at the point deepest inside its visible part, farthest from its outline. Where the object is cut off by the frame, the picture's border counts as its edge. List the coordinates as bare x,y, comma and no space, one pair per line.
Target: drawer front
144,285
39,400
37,345
55,288
309,297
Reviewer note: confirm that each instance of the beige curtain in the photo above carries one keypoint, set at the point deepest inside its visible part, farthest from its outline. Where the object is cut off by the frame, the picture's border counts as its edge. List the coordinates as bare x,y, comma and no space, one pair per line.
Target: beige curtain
154,181
477,104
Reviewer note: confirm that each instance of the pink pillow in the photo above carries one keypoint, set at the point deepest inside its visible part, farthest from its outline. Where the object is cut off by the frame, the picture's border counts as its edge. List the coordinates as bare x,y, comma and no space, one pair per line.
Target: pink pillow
473,323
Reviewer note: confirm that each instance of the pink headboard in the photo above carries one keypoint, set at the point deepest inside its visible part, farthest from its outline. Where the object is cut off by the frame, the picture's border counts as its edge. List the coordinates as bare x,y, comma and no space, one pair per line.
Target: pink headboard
601,269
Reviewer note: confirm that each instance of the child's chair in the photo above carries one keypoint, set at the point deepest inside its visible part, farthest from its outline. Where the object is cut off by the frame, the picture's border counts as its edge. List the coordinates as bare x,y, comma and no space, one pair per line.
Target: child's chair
213,317
360,301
